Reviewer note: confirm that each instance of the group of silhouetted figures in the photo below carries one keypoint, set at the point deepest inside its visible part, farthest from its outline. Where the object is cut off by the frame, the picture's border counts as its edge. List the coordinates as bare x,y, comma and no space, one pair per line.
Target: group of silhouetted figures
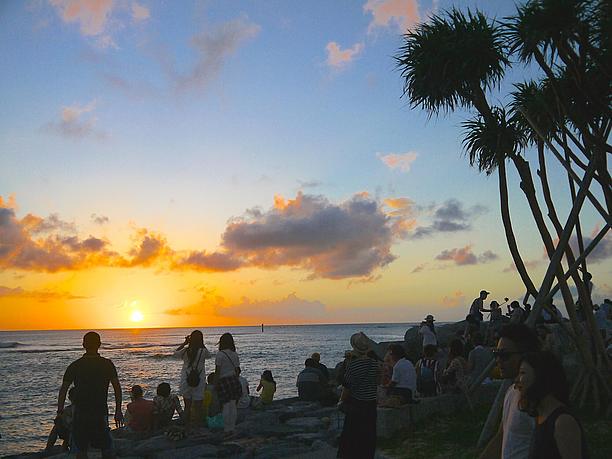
537,421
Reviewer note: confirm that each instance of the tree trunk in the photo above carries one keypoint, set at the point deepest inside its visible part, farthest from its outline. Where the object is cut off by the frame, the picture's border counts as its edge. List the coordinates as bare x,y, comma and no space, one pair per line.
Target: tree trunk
510,238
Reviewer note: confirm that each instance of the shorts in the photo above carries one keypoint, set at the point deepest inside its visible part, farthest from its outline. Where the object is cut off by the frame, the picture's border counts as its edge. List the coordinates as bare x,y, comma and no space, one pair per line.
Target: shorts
91,431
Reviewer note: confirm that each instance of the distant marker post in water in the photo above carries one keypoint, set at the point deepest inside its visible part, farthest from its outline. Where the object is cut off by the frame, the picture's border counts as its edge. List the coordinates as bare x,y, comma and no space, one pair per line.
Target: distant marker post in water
262,328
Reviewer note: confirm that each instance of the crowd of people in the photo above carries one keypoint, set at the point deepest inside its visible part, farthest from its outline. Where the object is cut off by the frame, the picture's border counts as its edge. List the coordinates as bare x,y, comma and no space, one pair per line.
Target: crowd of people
536,422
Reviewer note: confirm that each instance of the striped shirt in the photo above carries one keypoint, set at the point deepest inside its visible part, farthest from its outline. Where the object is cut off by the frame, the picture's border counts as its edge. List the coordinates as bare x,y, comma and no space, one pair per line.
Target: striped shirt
361,378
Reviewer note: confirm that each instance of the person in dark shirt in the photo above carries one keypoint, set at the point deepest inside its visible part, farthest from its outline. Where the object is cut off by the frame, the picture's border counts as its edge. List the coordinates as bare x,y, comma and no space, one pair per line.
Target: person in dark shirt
322,368
91,375
310,382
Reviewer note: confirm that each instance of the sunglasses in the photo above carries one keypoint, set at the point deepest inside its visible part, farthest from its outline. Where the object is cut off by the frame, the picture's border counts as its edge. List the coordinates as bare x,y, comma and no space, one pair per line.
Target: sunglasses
504,355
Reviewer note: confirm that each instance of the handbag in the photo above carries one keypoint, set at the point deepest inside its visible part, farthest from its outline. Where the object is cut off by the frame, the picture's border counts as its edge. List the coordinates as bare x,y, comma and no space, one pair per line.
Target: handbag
236,384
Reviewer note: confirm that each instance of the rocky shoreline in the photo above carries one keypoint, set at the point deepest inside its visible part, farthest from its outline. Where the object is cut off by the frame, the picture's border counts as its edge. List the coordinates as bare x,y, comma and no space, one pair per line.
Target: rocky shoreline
289,428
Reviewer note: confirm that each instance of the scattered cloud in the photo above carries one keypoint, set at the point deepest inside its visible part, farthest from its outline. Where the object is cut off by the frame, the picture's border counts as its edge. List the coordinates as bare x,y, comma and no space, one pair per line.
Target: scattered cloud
99,219
209,262
339,58
213,47
77,122
91,15
289,309
461,256
350,239
400,14
38,295
400,161
457,298
450,217
140,12
309,183
464,256
419,268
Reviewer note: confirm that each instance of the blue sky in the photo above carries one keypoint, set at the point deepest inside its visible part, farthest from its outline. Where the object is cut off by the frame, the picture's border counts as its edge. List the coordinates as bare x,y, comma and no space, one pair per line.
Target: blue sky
178,118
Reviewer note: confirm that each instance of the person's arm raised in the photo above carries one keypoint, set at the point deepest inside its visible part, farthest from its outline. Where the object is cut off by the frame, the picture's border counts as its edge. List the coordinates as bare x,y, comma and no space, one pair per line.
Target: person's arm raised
118,401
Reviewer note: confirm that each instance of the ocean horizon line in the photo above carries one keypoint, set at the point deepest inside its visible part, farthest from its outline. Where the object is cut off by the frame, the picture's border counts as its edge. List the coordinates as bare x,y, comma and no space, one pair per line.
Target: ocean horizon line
217,326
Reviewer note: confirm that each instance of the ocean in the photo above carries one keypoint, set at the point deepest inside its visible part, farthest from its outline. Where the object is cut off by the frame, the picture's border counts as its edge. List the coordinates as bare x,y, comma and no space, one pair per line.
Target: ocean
32,364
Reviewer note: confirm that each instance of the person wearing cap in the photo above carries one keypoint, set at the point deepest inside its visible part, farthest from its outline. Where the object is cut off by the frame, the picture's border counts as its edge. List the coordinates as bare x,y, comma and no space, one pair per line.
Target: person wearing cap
428,332
358,401
478,308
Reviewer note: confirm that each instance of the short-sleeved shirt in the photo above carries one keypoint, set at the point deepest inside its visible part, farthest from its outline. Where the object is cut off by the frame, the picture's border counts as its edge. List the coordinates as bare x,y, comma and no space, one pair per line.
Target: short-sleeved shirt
140,414
404,375
227,361
429,337
91,375
518,427
361,378
475,309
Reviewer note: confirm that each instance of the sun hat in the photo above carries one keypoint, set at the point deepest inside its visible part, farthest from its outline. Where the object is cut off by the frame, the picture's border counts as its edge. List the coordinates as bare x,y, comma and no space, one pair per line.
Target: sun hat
429,318
360,343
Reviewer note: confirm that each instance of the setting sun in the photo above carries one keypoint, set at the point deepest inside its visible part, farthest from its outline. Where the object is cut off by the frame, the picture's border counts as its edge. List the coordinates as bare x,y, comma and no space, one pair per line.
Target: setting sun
136,316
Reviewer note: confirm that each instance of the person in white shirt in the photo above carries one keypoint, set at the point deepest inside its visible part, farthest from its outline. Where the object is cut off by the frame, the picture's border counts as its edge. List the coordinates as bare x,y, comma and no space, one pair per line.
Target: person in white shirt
428,332
404,380
229,389
513,439
193,353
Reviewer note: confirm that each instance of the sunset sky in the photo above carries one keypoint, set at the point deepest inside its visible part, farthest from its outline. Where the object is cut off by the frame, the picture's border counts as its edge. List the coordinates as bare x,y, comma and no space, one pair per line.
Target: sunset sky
223,163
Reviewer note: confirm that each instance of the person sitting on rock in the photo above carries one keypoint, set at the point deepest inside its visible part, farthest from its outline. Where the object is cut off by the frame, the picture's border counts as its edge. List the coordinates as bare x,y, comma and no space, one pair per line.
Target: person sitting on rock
322,368
267,386
139,411
310,382
211,404
62,425
427,371
478,358
164,406
403,380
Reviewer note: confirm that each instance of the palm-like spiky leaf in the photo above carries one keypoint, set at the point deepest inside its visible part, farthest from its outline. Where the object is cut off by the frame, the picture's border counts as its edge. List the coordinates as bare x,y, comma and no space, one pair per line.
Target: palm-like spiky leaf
489,141
443,59
543,24
540,104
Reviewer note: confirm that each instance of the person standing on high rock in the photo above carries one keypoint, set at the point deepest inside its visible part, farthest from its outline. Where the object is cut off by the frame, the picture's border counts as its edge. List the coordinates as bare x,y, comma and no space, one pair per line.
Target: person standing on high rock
91,375
478,308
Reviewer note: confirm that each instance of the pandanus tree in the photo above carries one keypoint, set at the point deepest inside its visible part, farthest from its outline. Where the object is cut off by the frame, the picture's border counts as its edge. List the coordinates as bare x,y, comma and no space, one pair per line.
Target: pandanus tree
454,60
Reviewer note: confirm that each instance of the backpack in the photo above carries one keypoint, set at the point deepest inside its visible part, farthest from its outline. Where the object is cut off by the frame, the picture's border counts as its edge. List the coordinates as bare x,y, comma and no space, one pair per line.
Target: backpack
193,377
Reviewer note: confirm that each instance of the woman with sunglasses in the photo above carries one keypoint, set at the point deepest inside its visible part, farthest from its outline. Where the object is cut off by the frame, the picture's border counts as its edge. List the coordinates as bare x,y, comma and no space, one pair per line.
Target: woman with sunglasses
545,396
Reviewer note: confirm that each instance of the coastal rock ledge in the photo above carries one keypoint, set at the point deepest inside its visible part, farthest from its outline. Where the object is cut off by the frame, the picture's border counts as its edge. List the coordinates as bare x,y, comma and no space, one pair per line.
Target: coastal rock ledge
289,428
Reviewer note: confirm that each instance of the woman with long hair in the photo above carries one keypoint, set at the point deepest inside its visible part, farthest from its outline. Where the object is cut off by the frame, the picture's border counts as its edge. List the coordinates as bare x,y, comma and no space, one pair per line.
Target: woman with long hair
545,396
193,352
227,369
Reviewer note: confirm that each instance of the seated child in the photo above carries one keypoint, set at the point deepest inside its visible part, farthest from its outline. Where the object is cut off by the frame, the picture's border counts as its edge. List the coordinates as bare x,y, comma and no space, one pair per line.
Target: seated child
267,386
164,406
139,415
211,404
427,373
62,425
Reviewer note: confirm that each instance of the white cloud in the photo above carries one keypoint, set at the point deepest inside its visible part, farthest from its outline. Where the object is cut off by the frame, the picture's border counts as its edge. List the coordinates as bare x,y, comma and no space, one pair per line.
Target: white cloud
339,58
403,14
140,12
400,161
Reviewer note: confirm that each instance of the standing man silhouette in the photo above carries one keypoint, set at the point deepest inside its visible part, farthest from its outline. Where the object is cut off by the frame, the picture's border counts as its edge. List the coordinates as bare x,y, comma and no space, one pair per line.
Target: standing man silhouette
91,375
